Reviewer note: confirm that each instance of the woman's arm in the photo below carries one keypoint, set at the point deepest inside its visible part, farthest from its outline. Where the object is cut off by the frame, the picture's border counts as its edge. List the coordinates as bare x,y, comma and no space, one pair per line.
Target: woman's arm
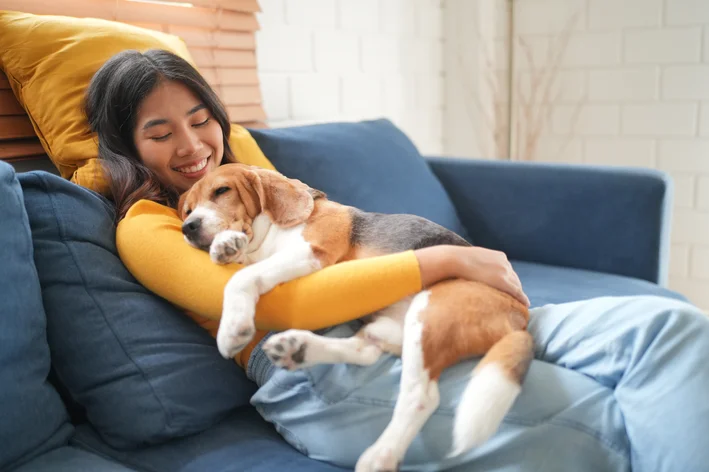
151,245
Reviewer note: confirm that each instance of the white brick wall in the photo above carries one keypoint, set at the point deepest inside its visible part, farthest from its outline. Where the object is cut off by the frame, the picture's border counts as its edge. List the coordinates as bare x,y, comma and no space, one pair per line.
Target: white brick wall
662,46
686,82
342,60
619,14
632,84
631,89
703,193
660,119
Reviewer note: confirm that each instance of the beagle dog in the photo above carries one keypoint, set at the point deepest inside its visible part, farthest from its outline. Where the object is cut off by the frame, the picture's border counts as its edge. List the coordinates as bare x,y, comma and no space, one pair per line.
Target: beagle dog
281,229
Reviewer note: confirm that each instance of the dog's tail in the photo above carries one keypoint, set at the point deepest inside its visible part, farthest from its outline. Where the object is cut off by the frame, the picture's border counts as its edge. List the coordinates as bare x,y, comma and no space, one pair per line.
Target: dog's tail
496,382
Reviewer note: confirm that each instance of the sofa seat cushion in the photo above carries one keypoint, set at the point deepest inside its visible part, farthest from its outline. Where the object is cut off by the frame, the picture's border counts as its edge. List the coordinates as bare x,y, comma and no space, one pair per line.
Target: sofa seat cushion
244,442
545,284
371,165
72,459
33,418
143,371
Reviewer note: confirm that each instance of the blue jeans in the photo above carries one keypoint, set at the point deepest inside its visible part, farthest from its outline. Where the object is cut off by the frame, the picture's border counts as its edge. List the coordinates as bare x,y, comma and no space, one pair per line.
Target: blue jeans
618,383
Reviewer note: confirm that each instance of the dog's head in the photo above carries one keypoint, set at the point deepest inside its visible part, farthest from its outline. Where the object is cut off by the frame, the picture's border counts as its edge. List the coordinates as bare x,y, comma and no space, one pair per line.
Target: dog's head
233,195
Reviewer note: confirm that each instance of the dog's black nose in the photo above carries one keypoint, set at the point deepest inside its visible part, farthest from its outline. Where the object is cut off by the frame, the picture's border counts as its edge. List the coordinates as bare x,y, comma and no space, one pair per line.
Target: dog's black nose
191,227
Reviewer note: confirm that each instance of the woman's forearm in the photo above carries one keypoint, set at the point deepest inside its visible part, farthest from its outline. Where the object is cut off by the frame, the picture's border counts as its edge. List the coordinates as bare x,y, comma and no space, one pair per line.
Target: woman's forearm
151,245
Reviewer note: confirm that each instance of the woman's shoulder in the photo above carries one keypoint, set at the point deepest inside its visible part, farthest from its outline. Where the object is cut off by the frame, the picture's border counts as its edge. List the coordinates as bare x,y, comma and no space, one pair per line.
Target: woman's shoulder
149,207
146,226
145,218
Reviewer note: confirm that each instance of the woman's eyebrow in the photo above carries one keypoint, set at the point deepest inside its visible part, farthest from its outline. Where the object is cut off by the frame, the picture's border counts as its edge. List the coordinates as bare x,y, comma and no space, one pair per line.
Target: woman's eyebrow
152,123
194,110
162,121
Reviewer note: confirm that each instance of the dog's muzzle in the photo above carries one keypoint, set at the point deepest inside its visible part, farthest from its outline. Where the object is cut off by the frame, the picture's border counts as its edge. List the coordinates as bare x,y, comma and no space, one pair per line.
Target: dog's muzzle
194,234
190,228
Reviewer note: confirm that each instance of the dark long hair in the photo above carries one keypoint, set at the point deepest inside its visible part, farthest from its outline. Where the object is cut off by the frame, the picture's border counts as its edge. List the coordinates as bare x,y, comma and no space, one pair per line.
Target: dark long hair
112,100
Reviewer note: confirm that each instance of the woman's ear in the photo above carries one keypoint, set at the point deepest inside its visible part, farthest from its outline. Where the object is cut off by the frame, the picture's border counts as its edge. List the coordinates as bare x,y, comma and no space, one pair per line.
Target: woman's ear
288,202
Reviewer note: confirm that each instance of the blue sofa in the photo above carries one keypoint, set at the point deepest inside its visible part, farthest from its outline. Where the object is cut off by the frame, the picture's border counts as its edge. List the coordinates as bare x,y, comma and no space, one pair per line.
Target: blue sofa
98,374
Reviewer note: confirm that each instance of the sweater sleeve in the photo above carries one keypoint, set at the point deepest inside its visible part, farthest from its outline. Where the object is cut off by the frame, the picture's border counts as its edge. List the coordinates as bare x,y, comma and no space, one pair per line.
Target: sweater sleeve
150,243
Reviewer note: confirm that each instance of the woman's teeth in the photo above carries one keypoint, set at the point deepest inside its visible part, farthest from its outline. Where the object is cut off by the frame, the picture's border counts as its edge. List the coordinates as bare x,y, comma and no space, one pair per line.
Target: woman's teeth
192,169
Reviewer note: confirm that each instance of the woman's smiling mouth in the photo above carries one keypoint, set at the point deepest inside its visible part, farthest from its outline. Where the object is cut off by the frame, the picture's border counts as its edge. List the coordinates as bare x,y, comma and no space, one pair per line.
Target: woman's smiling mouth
195,169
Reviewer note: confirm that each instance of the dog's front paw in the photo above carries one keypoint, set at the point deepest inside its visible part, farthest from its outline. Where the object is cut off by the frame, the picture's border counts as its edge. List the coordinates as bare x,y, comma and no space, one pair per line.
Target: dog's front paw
378,458
288,350
236,328
228,246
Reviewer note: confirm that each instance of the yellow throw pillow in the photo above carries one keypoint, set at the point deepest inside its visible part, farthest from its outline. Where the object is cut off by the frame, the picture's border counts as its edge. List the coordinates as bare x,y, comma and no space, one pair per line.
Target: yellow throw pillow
50,60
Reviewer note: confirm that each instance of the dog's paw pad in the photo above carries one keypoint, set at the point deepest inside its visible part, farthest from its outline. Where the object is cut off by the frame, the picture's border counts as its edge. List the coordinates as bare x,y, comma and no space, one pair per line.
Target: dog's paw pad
287,350
227,247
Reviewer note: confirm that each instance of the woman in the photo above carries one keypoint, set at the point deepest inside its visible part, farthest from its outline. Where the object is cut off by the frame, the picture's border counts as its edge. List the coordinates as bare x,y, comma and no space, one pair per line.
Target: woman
615,384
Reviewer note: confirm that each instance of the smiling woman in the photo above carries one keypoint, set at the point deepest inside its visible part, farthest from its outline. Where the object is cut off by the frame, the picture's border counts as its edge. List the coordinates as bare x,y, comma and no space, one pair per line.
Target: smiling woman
46,117
176,132
177,135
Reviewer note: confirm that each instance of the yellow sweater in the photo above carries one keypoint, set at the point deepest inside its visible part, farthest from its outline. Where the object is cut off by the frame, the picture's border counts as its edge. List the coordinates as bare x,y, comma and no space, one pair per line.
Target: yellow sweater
150,244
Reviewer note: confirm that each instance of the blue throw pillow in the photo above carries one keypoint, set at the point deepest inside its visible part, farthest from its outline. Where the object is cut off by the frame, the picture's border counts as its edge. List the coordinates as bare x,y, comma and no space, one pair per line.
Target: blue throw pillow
371,165
33,419
142,369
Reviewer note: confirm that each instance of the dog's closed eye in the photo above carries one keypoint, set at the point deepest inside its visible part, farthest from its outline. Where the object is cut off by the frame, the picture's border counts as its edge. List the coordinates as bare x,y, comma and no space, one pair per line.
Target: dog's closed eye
221,190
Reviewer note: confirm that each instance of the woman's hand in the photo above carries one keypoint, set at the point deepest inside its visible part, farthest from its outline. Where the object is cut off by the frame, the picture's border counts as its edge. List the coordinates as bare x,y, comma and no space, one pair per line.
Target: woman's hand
477,264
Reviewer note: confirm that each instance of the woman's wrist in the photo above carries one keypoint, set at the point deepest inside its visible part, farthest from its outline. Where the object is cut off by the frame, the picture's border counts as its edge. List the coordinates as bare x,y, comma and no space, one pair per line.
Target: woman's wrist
437,263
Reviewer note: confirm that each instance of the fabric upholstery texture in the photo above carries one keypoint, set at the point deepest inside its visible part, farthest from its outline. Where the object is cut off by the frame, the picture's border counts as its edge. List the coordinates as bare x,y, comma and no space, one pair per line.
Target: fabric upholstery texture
144,371
371,165
602,219
33,418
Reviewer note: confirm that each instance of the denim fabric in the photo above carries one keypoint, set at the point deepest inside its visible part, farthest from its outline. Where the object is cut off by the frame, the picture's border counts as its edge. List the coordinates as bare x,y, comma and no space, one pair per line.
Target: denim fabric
371,165
144,371
602,219
618,383
33,419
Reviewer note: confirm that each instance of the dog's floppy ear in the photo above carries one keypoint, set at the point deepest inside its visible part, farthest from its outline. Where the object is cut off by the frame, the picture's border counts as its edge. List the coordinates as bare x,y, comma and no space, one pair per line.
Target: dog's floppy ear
181,205
288,202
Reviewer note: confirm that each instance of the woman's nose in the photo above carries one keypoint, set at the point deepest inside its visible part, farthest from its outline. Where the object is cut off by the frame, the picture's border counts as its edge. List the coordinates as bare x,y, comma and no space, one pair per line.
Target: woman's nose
189,144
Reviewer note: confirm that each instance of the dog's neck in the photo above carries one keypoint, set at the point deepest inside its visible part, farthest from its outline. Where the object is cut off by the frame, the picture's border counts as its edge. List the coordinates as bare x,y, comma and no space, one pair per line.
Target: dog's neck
260,227
269,238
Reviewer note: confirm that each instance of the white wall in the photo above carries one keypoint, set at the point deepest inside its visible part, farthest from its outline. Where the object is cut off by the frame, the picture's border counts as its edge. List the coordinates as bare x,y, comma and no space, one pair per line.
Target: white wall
330,60
631,88
476,91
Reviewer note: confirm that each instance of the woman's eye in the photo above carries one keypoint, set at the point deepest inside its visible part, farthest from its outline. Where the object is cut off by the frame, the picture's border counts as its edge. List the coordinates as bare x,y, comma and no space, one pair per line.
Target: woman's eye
161,138
220,191
202,123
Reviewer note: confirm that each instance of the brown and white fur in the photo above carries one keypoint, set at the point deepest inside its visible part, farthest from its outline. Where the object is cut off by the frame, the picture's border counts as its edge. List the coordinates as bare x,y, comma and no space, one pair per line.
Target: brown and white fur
282,229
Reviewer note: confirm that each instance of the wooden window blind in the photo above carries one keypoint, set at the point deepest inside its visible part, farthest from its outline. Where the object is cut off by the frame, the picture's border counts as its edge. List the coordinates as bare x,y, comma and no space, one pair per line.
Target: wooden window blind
219,34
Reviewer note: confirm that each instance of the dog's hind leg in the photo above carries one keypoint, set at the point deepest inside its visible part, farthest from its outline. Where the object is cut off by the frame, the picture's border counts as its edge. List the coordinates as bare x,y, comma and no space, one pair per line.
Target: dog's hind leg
297,349
418,399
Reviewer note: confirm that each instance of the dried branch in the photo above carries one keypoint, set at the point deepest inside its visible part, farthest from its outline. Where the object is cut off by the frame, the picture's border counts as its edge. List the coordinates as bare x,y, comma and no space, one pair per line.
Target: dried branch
536,104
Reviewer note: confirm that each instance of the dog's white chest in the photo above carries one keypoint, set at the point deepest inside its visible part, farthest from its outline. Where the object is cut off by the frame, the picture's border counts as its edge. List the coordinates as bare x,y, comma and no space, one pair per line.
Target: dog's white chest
270,238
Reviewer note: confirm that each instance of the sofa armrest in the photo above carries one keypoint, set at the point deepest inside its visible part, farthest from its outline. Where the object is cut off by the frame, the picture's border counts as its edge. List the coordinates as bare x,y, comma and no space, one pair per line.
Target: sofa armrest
606,219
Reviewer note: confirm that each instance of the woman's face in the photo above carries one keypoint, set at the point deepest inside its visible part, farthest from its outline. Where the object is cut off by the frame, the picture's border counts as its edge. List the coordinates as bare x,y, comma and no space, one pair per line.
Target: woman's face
176,136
